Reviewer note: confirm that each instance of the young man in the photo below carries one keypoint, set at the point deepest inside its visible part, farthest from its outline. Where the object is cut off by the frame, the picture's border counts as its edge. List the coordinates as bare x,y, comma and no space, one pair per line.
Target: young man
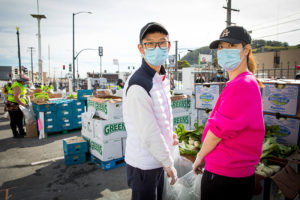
148,118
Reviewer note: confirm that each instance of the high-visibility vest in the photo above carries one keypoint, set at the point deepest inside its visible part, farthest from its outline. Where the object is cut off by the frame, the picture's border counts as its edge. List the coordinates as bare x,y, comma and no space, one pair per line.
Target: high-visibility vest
10,94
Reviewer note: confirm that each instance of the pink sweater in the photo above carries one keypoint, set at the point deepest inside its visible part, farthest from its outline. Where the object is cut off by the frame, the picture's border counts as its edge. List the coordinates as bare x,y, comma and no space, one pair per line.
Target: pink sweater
237,118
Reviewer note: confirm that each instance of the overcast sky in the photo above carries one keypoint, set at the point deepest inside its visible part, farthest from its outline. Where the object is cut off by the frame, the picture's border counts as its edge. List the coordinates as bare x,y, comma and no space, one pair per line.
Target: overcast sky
115,25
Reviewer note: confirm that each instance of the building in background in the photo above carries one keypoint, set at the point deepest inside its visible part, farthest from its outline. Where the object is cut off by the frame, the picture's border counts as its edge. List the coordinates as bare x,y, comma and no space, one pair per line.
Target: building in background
278,64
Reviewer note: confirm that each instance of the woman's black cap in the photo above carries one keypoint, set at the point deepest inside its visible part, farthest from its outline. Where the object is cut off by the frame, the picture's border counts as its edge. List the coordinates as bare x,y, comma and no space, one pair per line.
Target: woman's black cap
232,35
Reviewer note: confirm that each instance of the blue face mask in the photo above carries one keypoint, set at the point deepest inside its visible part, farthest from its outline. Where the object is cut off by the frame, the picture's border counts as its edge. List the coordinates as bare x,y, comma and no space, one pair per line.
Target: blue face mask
218,75
156,56
229,59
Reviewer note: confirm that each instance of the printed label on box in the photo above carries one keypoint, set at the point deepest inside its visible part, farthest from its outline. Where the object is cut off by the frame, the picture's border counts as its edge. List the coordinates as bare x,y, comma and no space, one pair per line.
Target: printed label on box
206,97
109,129
283,101
182,118
288,126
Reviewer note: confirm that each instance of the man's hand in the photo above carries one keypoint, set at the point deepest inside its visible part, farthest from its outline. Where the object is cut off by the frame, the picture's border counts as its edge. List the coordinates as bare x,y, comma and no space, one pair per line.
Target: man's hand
198,164
171,172
175,140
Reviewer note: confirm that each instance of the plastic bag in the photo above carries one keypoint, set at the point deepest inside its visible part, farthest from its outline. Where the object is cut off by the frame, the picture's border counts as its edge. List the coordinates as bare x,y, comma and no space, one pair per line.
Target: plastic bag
187,187
28,114
181,164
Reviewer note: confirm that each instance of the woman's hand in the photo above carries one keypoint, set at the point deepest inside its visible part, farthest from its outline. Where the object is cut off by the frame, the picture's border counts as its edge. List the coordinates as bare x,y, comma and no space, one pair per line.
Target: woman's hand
199,162
175,140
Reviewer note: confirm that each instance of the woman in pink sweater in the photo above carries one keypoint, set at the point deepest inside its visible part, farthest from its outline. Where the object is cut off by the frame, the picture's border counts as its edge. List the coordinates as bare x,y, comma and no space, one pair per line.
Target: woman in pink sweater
234,133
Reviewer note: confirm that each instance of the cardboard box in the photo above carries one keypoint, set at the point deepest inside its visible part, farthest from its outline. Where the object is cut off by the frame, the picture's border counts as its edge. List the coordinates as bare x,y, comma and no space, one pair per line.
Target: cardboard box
194,118
87,122
283,98
288,126
109,129
182,118
74,145
206,95
91,105
31,130
109,107
180,103
105,150
123,146
203,115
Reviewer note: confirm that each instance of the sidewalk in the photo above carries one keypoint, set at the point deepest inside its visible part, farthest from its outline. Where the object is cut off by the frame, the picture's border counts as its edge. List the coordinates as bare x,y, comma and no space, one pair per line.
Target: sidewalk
27,172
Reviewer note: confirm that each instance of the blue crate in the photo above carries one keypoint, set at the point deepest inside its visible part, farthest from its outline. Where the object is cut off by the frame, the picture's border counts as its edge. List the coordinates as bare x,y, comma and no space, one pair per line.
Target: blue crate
65,105
108,165
51,128
75,159
79,104
50,121
81,93
75,145
77,117
64,113
77,123
46,107
65,126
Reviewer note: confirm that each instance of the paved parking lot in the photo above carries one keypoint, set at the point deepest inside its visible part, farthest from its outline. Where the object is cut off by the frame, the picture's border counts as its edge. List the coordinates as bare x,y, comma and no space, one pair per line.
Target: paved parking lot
34,169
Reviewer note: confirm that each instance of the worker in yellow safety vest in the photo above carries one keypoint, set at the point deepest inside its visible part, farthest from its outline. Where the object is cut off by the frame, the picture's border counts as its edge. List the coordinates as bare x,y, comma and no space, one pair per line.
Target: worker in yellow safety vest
15,97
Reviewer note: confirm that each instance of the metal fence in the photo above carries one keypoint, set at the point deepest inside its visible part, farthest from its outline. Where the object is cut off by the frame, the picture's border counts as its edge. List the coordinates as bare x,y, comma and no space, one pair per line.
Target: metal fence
277,73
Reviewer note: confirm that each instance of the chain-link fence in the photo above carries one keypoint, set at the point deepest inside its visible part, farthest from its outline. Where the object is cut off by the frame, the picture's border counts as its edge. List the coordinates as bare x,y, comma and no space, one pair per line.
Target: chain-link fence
277,73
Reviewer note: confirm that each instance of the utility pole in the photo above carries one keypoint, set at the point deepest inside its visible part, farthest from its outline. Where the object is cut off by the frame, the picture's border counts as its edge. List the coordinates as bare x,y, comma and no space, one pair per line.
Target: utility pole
31,51
176,59
19,54
100,51
49,60
229,9
40,62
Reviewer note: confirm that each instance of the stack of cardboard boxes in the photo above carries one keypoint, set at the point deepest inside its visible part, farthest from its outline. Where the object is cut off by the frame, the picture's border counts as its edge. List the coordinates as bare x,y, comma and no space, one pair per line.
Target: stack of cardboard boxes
104,129
206,96
181,108
281,107
75,149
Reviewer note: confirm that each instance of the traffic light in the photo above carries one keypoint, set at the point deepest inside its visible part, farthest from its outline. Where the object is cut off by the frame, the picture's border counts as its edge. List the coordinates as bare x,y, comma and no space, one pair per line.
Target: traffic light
70,67
25,70
16,71
77,75
64,67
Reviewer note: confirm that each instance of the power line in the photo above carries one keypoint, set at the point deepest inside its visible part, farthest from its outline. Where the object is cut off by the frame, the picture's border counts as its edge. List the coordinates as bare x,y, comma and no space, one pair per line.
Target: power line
265,27
257,25
280,33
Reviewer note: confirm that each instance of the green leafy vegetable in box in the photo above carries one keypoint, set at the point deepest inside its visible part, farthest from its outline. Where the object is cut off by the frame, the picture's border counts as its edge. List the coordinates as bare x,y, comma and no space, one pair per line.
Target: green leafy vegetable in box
41,95
72,96
190,140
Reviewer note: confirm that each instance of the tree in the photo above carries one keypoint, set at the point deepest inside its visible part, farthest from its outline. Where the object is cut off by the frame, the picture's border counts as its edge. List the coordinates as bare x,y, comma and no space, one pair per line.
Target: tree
192,57
183,64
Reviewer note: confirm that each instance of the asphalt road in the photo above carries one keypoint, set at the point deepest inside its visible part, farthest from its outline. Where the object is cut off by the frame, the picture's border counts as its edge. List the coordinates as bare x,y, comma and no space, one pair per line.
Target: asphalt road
27,172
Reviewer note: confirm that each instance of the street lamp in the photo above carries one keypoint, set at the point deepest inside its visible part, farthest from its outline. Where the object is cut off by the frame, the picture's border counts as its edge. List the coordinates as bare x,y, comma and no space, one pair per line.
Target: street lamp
73,57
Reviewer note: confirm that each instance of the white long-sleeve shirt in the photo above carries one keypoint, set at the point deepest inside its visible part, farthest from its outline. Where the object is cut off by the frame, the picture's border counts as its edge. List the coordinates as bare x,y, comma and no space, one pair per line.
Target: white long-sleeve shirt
148,119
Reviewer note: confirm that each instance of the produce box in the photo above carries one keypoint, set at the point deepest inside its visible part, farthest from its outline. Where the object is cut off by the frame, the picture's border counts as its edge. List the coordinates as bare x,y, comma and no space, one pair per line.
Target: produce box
288,126
31,130
109,107
283,98
203,115
91,105
74,145
81,94
194,118
87,125
46,107
109,129
181,118
206,95
105,150
180,103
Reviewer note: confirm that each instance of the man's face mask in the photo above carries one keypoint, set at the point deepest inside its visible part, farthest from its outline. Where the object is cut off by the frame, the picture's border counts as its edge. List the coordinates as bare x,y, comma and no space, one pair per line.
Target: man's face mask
156,56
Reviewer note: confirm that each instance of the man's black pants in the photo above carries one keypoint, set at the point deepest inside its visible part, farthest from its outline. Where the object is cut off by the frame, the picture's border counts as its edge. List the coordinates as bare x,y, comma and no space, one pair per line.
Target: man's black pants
145,184
215,187
16,120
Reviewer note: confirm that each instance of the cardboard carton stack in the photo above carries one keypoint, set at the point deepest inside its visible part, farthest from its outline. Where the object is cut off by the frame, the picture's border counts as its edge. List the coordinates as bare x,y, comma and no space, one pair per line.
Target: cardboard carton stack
104,129
206,96
181,106
281,107
75,149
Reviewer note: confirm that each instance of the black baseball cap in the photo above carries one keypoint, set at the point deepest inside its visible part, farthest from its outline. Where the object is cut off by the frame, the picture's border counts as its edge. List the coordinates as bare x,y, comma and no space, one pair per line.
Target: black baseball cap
232,35
152,27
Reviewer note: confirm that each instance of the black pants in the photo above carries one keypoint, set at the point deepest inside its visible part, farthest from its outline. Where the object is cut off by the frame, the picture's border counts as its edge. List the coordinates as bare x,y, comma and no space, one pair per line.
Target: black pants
215,187
145,184
16,120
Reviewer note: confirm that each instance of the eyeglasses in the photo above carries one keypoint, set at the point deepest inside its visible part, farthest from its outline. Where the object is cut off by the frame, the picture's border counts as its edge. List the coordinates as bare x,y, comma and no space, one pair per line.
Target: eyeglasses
152,45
